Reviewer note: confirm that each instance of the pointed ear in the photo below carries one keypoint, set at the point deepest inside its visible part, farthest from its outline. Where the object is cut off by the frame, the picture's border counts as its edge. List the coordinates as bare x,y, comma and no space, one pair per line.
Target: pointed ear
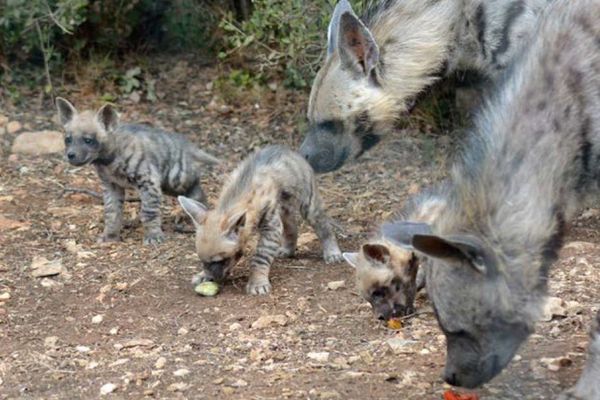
461,248
343,6
358,50
351,258
107,117
376,254
196,210
236,223
66,110
401,232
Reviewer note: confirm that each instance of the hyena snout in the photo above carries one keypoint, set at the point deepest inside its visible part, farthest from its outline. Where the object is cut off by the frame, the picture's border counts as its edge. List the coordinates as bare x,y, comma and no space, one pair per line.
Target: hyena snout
77,157
385,312
324,152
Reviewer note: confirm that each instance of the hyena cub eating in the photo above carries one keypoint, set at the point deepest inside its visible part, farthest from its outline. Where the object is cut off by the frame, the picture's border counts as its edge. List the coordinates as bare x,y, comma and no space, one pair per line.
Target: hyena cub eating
388,273
263,193
132,156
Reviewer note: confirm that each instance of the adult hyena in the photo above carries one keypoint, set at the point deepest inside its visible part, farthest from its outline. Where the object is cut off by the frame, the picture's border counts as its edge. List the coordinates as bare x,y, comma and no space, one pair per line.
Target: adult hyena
377,65
523,175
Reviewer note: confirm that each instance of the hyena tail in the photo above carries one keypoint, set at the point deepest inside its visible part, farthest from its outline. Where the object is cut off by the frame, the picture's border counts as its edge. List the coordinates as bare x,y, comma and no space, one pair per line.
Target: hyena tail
205,158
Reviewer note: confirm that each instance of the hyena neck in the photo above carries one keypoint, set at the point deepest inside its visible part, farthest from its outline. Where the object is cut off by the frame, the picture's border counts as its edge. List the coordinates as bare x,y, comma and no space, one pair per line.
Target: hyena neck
108,154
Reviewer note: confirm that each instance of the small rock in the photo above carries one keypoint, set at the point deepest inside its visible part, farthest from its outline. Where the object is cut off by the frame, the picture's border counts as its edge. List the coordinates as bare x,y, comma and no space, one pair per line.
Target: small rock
138,342
14,127
335,285
239,383
97,319
82,349
329,395
182,332
47,282
113,331
51,341
178,387
42,267
322,356
553,307
353,374
555,364
160,363
399,346
235,326
4,296
181,372
37,143
107,389
267,320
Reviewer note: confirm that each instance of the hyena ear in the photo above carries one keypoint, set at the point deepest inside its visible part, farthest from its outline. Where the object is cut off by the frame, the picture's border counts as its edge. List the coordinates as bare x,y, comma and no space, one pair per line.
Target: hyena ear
196,210
401,233
351,258
460,248
357,47
107,117
376,254
343,6
66,110
236,223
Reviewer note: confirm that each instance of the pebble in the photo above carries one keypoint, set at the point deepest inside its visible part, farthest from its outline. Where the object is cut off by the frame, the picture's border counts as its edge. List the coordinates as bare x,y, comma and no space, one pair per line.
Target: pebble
97,319
160,363
553,307
82,349
267,320
399,346
107,389
235,326
239,383
4,296
41,267
335,285
319,356
181,372
178,387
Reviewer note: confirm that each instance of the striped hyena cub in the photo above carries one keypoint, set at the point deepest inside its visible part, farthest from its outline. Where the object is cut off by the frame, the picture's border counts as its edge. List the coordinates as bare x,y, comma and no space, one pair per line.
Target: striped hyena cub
264,193
147,159
388,273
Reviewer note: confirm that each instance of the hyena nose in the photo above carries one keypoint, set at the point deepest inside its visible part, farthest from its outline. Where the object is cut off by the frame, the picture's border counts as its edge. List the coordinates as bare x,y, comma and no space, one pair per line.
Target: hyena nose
451,379
70,155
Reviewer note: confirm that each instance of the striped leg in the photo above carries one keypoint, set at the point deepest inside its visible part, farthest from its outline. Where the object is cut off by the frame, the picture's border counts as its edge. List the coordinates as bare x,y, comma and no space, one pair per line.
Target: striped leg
588,386
150,196
315,215
290,230
270,231
114,196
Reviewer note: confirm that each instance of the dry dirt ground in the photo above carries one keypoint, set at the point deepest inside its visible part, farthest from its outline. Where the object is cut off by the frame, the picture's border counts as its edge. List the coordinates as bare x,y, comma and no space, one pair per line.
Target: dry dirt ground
126,315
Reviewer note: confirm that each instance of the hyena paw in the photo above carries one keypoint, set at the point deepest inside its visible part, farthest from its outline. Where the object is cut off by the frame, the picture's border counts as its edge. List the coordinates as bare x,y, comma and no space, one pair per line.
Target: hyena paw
285,252
258,286
109,238
333,257
201,277
154,238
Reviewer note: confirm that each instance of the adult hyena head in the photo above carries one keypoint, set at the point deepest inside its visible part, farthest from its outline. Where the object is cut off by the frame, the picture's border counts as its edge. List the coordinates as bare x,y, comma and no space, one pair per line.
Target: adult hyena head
347,101
484,317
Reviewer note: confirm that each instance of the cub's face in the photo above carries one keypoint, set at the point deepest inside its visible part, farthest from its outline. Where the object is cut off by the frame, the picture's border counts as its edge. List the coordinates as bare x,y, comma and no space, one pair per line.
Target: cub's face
386,278
218,242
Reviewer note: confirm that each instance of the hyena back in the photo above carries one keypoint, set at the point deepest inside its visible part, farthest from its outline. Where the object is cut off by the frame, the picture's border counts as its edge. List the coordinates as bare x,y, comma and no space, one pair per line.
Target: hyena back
132,156
388,274
524,173
264,193
376,66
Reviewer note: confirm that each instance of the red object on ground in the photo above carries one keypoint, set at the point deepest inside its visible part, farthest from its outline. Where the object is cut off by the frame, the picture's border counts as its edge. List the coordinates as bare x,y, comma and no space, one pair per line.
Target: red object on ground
450,395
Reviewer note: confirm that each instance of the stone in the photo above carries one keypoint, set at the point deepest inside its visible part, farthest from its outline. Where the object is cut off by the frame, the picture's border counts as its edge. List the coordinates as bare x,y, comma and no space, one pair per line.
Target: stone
268,320
13,127
178,387
181,372
4,296
97,319
239,383
399,346
160,363
138,342
107,389
555,364
235,326
335,285
319,356
51,342
553,307
41,267
37,143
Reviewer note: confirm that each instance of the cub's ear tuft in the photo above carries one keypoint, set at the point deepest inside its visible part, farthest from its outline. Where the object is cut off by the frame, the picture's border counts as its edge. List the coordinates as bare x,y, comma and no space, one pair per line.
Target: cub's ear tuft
196,210
107,117
66,110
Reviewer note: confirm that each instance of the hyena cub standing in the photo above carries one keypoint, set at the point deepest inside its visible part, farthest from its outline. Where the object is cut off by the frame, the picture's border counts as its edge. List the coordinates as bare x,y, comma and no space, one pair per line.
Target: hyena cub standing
264,192
132,156
388,273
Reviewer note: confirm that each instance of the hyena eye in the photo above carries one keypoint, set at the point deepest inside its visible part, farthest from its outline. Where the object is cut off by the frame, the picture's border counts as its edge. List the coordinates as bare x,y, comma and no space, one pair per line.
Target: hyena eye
89,141
68,140
378,293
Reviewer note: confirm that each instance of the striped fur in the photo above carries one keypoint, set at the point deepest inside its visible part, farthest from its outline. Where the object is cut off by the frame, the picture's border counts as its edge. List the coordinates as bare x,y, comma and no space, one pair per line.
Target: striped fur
140,157
526,171
264,193
377,66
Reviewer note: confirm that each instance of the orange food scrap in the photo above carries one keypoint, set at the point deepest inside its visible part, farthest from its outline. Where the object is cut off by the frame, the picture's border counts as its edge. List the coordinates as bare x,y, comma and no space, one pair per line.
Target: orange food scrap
394,323
450,395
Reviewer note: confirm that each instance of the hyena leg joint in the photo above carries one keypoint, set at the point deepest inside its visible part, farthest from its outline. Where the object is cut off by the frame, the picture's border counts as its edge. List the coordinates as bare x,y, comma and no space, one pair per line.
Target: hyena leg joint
114,196
290,231
150,196
268,244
